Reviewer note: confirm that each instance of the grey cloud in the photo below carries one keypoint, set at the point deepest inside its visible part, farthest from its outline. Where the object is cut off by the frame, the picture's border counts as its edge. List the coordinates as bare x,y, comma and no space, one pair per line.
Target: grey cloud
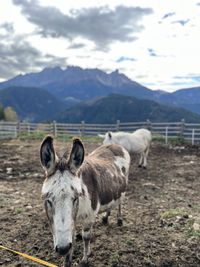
18,56
190,76
76,46
141,76
101,25
180,84
152,52
82,57
182,22
121,59
8,27
167,15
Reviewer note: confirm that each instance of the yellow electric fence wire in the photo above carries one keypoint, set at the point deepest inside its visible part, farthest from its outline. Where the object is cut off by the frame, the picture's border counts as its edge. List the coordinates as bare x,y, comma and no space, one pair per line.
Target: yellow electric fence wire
29,257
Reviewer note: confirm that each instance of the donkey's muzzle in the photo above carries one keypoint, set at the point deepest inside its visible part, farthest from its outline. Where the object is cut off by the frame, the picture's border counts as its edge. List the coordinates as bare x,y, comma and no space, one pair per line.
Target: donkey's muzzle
64,249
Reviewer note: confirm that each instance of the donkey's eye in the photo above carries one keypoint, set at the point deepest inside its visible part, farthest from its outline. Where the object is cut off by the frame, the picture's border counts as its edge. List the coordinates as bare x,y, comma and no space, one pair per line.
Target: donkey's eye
75,200
49,203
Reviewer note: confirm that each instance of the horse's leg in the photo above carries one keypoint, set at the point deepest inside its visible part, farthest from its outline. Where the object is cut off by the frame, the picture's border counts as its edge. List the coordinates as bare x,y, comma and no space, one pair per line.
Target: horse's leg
105,217
146,154
145,157
86,234
119,215
141,160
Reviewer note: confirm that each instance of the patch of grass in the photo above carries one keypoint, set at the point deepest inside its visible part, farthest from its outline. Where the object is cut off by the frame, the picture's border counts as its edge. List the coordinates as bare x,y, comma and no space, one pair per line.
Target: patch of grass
92,139
159,138
190,222
148,262
18,210
196,207
171,140
192,233
32,136
65,137
129,242
40,135
69,137
173,213
114,259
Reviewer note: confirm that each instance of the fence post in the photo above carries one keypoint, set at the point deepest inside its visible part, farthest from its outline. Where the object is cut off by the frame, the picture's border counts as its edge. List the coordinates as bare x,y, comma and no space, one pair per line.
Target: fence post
54,129
28,128
182,128
117,125
148,125
82,128
18,129
16,126
166,135
193,136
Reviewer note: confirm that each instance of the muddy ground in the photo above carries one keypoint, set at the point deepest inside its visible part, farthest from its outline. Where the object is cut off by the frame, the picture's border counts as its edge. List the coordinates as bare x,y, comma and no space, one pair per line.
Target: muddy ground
161,212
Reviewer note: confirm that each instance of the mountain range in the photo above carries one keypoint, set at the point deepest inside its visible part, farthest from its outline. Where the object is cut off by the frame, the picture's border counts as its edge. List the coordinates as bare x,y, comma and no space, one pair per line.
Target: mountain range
53,90
80,84
115,107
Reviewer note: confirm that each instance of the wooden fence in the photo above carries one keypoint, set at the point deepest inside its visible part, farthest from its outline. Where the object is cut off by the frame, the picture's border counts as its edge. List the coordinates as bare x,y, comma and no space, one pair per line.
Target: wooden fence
163,130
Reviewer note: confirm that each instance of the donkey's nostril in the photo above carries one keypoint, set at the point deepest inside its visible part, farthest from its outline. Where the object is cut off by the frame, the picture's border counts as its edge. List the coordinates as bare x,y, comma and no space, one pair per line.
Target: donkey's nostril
64,249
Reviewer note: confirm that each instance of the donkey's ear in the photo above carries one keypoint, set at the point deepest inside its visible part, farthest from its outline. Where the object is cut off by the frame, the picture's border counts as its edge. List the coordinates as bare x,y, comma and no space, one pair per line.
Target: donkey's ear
47,155
109,135
77,155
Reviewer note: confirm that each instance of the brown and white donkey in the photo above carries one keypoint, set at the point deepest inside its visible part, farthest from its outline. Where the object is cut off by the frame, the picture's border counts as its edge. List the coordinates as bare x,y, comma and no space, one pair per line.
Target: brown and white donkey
77,188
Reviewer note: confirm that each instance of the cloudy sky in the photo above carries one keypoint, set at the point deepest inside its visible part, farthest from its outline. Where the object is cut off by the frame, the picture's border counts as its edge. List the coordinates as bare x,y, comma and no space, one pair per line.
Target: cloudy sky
154,42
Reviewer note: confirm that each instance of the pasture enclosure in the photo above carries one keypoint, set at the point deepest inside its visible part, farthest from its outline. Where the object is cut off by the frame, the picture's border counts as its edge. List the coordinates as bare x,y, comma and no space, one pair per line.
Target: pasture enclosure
161,211
160,130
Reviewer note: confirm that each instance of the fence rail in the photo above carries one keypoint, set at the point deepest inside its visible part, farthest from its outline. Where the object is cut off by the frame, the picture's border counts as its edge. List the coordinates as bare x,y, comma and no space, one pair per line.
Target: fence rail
182,130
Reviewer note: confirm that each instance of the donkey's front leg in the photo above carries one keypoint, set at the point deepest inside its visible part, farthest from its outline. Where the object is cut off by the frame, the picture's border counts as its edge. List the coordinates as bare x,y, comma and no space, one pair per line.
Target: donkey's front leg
105,217
68,259
86,234
119,215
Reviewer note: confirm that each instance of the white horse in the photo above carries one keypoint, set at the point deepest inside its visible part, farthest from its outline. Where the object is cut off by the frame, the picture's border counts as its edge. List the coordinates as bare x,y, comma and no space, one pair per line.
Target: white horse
77,188
136,142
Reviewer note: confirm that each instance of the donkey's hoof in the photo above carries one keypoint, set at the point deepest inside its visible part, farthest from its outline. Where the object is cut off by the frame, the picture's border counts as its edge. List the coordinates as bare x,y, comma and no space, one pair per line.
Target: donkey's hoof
140,166
144,167
119,221
67,264
105,220
84,264
79,237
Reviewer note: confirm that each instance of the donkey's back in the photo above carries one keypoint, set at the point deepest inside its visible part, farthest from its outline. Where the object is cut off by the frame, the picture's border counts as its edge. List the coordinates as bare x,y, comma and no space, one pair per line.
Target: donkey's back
105,173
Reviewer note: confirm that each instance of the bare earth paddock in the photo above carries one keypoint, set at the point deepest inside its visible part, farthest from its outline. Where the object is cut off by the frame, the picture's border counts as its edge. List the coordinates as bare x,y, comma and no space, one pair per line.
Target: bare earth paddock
161,213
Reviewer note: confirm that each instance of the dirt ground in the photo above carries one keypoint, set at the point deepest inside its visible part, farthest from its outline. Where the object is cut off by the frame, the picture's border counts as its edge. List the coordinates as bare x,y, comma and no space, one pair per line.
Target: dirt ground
161,212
